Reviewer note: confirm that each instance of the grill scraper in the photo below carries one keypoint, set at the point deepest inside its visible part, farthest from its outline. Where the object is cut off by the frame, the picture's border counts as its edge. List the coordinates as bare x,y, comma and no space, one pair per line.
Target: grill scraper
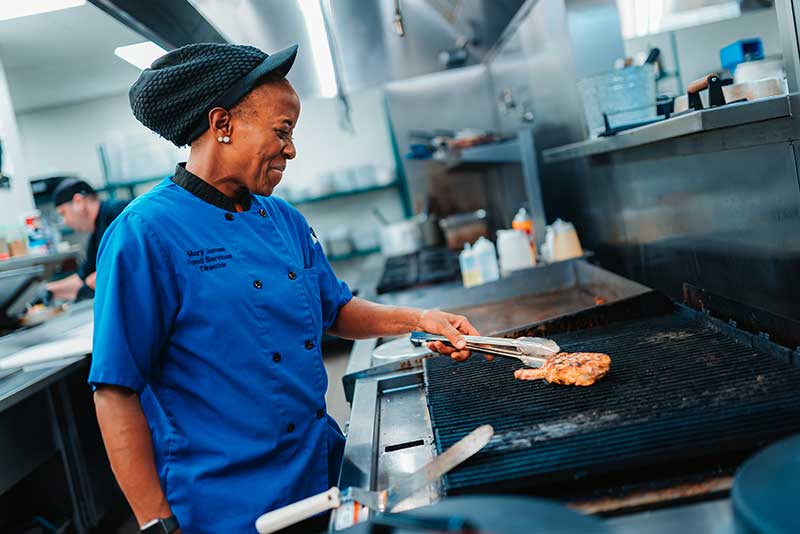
384,500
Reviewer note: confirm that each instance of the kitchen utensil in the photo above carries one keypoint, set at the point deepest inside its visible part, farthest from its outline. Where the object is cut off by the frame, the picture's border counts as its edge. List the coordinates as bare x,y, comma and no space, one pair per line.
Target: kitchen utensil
429,228
532,351
398,349
400,238
722,92
627,96
378,501
381,217
337,241
652,56
464,228
364,238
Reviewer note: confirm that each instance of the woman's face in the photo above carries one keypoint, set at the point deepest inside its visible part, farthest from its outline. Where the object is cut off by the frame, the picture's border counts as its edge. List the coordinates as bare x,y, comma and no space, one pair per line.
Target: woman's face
261,135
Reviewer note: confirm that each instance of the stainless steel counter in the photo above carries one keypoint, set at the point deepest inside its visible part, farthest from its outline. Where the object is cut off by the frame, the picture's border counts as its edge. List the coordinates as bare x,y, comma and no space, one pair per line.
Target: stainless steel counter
18,262
39,419
691,123
21,384
18,385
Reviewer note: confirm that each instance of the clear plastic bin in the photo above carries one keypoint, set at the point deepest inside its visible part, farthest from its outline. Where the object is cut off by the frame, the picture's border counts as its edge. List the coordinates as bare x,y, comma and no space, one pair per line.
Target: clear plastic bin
627,96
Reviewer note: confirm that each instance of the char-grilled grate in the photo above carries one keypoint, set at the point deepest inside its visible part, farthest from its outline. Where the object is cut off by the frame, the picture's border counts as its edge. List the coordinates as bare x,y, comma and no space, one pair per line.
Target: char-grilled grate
679,391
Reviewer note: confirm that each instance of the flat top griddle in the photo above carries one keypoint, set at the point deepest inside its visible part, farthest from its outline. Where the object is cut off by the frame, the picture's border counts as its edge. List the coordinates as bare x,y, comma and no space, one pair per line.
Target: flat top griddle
496,316
684,390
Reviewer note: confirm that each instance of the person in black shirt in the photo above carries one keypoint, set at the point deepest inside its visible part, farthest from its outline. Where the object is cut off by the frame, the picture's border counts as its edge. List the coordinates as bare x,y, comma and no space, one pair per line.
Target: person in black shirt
78,204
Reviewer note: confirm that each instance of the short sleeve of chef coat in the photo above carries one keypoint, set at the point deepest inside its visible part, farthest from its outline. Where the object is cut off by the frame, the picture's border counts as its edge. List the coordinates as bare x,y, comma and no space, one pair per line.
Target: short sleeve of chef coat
334,293
134,306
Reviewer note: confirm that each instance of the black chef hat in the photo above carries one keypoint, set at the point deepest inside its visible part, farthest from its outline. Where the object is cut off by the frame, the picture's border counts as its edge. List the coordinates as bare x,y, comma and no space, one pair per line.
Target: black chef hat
174,95
67,188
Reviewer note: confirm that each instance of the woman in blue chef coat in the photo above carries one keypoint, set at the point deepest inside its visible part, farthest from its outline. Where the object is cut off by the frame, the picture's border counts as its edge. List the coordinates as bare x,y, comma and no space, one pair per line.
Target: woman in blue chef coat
212,297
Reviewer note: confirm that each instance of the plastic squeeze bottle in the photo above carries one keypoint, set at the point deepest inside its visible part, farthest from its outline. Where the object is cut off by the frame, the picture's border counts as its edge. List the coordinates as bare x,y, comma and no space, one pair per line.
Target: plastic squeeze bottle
524,223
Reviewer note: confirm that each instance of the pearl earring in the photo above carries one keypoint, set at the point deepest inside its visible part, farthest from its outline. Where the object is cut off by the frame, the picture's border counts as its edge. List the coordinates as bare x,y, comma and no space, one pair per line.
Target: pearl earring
219,139
226,139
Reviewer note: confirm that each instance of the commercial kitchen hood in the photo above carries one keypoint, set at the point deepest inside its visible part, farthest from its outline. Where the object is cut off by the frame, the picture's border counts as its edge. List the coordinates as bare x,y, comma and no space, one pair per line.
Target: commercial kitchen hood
349,44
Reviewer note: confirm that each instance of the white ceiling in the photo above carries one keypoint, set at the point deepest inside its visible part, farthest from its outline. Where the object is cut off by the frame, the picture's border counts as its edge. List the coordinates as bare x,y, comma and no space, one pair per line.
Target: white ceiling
65,56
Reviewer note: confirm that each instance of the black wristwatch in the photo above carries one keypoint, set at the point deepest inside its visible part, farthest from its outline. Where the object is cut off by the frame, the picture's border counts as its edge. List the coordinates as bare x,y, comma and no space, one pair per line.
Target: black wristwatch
161,526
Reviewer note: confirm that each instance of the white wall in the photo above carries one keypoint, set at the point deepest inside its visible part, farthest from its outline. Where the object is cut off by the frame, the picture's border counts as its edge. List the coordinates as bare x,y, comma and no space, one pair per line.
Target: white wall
18,199
64,139
698,47
323,147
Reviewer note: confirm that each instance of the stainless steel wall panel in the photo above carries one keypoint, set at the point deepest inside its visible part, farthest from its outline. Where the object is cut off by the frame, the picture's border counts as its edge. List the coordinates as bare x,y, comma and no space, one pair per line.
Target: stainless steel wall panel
448,100
726,219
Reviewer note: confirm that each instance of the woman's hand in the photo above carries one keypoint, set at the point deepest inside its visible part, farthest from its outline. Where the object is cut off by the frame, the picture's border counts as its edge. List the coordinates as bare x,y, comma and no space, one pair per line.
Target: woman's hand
451,326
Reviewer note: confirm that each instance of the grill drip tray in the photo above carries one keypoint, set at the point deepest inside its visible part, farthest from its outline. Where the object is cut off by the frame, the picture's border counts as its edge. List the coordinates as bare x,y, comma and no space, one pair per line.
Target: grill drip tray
685,392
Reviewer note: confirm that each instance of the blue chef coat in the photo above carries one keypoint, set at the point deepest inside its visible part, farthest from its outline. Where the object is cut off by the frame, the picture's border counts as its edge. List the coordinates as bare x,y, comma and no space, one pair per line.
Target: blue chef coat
216,319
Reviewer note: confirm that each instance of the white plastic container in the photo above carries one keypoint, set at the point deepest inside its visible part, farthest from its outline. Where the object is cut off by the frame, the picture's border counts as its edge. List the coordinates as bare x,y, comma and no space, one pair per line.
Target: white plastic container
486,258
470,274
561,242
514,250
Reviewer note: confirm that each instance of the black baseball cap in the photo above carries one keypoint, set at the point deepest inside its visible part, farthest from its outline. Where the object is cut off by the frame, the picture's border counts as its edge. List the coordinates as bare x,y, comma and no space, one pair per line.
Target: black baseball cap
67,188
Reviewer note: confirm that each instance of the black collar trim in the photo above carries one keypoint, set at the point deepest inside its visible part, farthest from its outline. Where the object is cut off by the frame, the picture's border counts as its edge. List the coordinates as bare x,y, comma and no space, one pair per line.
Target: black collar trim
205,191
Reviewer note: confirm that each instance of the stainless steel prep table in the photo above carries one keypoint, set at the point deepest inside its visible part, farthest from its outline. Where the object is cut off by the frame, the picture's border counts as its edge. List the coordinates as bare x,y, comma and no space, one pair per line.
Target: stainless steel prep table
39,420
19,262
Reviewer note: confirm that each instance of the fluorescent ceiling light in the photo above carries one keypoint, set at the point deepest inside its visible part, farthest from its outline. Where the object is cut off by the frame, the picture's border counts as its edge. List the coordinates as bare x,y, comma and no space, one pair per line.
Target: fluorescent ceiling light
140,54
320,51
644,17
12,9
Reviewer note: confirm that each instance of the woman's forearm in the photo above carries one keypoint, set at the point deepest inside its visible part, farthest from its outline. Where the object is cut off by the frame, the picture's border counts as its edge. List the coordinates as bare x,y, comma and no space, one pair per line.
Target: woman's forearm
130,449
360,319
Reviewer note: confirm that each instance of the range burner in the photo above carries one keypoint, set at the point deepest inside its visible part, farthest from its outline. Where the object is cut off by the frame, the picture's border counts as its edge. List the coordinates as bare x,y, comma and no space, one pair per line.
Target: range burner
428,266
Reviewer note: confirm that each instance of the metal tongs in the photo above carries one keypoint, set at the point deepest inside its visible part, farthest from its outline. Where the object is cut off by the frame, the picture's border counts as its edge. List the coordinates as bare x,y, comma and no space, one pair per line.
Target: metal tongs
532,351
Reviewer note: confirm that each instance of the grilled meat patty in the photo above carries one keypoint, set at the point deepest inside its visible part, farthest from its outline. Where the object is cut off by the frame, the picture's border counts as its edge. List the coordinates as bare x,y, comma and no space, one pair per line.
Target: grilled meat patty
570,369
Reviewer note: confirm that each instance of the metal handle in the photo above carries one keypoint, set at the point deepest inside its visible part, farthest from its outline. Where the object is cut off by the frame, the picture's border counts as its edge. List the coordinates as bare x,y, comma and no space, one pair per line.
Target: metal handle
699,84
530,361
294,513
522,346
426,337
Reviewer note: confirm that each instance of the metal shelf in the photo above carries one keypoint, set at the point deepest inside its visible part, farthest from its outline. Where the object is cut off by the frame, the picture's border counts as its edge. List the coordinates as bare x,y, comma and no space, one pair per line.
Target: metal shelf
341,194
519,150
690,123
111,187
354,254
493,153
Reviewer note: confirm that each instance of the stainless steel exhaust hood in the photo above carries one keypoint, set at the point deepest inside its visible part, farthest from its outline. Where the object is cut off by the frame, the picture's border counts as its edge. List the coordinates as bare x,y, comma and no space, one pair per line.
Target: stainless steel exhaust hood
352,44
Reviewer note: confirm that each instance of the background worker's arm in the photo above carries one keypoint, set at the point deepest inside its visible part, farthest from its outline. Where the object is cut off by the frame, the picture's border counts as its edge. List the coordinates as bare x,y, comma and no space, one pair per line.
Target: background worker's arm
130,449
66,288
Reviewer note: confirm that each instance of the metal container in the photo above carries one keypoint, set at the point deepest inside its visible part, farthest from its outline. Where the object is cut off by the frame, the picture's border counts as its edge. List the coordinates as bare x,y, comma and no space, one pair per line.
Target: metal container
400,238
464,228
626,96
429,228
